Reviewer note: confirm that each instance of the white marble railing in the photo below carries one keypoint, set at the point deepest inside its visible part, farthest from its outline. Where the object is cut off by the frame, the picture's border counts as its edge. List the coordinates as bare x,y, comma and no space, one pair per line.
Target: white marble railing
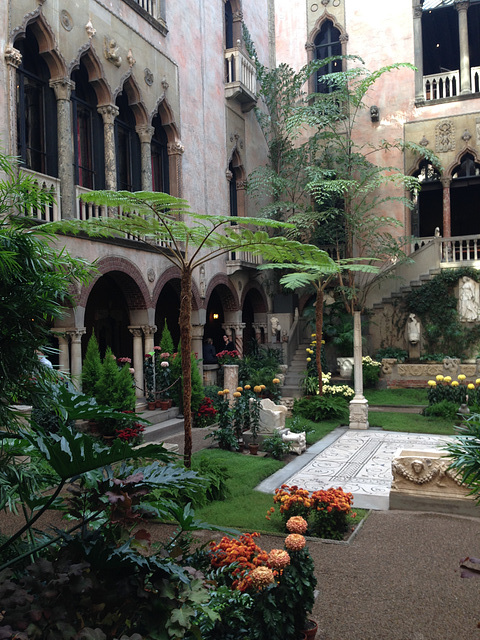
460,249
87,210
441,85
50,212
240,69
243,256
150,6
475,79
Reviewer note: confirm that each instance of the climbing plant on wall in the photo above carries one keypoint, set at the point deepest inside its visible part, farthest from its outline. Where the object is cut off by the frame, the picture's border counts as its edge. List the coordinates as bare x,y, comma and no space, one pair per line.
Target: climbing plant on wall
435,303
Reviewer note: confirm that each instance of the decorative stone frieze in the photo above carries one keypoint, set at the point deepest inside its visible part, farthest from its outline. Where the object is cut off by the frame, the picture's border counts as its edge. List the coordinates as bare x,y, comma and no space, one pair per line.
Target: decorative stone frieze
90,29
175,148
13,56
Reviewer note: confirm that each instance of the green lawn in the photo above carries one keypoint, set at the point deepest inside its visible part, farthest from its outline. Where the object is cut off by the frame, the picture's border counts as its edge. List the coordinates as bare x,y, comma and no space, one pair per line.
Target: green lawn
410,422
245,508
382,397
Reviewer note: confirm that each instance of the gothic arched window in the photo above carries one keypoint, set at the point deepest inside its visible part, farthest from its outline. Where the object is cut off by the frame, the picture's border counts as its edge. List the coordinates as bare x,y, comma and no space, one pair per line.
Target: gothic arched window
327,44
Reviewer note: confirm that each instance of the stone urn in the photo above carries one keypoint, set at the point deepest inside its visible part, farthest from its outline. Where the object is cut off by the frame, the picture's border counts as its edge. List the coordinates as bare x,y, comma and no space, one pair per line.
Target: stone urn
345,366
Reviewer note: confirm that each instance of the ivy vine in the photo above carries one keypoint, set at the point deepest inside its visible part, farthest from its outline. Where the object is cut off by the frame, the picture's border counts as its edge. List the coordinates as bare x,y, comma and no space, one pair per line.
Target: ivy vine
435,304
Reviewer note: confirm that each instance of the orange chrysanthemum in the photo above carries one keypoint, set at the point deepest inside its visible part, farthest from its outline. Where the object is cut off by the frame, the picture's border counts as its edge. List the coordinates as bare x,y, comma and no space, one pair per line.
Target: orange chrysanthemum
295,542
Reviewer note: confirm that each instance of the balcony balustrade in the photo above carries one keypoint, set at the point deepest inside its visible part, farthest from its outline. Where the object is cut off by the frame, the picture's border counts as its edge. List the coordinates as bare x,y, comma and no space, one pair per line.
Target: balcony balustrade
240,79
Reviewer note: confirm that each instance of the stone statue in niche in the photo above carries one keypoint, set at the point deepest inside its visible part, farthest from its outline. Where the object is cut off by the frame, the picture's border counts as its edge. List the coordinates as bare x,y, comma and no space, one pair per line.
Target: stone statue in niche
468,307
111,52
413,329
276,328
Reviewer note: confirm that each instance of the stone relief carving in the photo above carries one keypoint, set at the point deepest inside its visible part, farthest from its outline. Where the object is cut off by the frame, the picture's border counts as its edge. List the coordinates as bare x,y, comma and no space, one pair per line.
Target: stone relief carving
130,59
13,56
422,470
66,20
111,52
466,136
151,275
387,365
165,84
424,142
468,300
413,370
90,29
148,76
445,136
451,366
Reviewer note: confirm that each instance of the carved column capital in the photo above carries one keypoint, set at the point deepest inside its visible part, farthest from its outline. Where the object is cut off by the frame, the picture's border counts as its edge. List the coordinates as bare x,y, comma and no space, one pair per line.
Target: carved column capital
197,331
136,332
108,112
446,182
343,37
145,132
462,5
417,12
76,334
62,87
175,148
309,46
149,330
13,57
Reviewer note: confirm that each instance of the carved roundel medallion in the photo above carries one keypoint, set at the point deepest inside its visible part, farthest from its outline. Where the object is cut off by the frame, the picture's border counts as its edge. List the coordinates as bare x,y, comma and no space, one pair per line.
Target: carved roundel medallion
66,20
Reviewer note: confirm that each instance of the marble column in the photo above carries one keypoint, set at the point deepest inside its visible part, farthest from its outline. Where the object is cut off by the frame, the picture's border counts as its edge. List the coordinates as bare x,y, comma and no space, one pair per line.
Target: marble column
13,58
149,331
76,355
145,133
359,404
63,349
230,379
197,344
109,112
447,219
175,151
138,355
63,89
418,52
462,8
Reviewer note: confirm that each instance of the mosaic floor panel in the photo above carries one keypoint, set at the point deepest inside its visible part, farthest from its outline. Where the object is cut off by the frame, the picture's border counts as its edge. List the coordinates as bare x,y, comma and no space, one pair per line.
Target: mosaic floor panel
357,461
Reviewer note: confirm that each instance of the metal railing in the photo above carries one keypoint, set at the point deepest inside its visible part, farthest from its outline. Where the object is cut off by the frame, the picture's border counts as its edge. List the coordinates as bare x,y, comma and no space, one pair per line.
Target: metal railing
441,85
48,212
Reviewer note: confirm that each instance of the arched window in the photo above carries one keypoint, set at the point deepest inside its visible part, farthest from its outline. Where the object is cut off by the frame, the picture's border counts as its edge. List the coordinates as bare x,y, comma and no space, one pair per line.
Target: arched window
327,43
87,134
228,25
36,110
427,212
160,175
128,147
464,196
233,190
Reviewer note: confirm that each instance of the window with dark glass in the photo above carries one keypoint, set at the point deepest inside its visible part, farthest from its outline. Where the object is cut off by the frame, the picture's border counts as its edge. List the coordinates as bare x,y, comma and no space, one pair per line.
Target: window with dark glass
427,212
228,25
88,134
160,177
36,110
327,44
233,190
127,148
464,197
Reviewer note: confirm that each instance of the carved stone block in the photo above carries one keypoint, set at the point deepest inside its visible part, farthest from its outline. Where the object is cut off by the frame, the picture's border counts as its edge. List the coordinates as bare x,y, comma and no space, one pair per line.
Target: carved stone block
423,481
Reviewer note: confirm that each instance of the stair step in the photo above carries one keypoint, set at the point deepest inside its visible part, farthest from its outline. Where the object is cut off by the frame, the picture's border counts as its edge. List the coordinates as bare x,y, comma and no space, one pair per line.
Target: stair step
158,432
161,415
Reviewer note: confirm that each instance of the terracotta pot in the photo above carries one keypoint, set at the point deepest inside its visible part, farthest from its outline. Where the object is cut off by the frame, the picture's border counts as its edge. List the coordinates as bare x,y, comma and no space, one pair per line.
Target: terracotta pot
152,406
311,630
158,403
163,404
253,448
108,440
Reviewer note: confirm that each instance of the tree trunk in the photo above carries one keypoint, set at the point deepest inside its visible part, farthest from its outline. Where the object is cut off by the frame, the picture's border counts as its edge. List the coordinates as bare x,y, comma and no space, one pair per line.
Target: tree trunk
318,331
186,349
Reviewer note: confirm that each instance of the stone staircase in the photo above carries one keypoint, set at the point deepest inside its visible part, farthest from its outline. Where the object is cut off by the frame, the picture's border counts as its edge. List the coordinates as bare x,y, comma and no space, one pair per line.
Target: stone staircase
296,368
165,423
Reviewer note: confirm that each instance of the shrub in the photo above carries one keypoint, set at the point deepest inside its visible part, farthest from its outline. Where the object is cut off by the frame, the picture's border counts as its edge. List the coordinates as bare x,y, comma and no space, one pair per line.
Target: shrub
325,511
318,408
275,446
91,368
442,409
166,341
206,414
215,476
392,352
371,372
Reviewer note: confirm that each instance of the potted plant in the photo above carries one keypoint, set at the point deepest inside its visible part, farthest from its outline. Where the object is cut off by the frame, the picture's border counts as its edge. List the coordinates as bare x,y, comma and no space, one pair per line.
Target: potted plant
254,412
162,379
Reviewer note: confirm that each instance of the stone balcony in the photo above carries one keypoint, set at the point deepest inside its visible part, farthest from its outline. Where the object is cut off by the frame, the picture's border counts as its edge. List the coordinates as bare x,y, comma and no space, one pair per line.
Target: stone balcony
240,79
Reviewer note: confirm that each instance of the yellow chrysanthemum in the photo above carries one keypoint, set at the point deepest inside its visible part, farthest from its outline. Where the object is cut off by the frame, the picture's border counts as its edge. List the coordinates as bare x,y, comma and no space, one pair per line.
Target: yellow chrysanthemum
239,388
309,359
237,394
276,381
262,577
257,388
313,335
477,381
263,386
471,386
462,377
447,379
225,391
439,378
220,393
455,383
247,387
432,383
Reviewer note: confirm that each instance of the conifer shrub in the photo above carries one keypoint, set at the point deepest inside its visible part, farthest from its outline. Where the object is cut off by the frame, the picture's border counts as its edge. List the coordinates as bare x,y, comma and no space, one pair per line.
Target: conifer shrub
92,368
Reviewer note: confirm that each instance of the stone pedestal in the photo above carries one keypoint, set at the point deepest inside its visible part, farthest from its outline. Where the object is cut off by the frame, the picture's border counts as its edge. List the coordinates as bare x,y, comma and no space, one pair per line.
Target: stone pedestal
358,413
423,482
210,372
